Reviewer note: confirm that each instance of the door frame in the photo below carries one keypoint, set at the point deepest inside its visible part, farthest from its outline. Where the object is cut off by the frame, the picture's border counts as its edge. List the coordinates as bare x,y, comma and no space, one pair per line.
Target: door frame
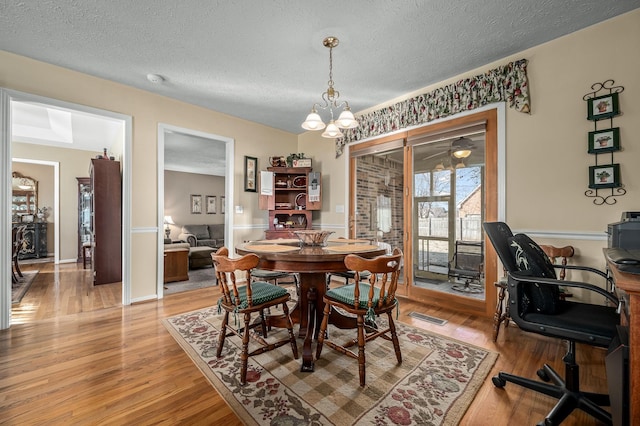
228,190
6,96
495,163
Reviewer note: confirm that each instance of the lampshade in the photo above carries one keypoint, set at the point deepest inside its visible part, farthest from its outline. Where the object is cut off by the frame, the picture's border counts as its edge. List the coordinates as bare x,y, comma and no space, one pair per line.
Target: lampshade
347,120
439,167
313,122
460,165
332,131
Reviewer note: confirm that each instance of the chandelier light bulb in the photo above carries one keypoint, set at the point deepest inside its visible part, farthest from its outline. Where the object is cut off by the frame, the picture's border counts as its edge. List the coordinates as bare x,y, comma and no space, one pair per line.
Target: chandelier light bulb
332,131
347,120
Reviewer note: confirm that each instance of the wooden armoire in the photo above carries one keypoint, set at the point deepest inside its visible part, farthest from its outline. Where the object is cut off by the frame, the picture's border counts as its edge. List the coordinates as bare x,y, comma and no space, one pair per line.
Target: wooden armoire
106,221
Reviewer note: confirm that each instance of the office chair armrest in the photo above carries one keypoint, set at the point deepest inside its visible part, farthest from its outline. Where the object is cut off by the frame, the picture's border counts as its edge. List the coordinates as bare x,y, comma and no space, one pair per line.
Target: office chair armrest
577,284
584,268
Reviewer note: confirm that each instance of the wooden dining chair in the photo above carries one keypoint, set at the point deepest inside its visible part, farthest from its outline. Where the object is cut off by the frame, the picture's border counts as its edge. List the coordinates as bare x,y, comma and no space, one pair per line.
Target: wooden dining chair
365,299
253,297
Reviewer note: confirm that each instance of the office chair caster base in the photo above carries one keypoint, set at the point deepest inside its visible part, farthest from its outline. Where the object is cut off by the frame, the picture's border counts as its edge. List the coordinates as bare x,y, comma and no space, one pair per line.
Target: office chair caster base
498,382
543,375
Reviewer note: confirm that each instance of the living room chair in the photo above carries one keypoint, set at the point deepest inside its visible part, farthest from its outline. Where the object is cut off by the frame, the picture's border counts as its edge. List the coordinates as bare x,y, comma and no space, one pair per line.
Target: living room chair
535,306
366,300
254,297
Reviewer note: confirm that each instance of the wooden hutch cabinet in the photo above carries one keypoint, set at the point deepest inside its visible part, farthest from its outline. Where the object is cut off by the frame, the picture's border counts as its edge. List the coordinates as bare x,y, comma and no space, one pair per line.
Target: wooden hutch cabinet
296,192
106,221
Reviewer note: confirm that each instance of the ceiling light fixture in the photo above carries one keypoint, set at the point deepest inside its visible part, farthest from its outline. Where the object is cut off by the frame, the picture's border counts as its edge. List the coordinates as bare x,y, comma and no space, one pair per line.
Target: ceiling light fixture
461,147
346,120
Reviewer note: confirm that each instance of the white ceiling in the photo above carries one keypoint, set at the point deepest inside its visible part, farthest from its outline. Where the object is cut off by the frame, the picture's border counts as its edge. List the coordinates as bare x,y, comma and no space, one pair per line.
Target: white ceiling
264,61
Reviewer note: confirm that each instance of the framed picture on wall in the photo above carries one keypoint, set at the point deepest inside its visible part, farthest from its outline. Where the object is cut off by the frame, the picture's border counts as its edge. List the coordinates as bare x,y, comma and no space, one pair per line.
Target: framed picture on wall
604,141
602,107
222,201
196,204
211,204
605,176
250,173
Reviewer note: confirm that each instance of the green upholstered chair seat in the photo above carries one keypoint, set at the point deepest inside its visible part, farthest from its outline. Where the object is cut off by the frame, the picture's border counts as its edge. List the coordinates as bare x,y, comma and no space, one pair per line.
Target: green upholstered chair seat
345,295
264,274
261,292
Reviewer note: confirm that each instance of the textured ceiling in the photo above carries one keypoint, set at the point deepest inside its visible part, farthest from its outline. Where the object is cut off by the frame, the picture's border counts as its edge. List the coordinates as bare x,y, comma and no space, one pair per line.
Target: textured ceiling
264,60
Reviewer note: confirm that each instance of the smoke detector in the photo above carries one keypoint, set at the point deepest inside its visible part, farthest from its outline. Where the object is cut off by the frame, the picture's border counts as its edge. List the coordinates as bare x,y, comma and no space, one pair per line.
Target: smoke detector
155,78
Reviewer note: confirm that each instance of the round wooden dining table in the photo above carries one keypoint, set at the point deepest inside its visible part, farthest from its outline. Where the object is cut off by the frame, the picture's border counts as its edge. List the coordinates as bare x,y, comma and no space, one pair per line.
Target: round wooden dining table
312,263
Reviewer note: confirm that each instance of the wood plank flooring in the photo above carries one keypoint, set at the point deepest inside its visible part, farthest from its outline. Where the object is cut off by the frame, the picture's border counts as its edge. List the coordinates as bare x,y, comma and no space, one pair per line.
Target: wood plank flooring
76,356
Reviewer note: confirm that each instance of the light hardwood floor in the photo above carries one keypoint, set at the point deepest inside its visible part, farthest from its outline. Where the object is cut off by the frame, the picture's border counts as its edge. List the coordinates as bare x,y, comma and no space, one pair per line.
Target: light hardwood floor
75,356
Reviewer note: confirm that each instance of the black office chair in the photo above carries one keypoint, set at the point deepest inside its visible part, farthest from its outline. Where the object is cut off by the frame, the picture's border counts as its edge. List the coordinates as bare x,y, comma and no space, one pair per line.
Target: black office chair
535,306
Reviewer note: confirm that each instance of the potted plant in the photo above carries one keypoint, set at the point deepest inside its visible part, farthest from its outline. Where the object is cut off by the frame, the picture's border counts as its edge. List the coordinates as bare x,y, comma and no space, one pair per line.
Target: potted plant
602,106
294,156
603,140
603,175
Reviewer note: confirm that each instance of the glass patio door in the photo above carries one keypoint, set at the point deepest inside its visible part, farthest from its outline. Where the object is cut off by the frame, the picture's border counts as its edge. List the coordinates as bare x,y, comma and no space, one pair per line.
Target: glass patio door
447,215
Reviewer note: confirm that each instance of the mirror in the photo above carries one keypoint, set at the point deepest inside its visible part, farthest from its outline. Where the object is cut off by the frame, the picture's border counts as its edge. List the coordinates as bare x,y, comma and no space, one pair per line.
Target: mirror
24,202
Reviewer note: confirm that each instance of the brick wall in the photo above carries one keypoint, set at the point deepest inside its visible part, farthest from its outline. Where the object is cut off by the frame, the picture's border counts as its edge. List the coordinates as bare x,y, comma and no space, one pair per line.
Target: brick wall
372,181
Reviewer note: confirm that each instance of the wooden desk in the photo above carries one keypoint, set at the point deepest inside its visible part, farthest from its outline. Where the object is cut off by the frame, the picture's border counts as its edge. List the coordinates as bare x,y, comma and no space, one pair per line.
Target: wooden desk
630,283
312,263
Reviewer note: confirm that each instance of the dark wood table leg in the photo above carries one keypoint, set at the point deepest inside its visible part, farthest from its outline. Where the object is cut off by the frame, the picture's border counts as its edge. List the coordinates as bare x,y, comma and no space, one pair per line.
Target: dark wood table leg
307,354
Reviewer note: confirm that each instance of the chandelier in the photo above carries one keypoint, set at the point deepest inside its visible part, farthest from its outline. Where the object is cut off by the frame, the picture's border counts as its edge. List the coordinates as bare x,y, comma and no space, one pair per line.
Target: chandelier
346,120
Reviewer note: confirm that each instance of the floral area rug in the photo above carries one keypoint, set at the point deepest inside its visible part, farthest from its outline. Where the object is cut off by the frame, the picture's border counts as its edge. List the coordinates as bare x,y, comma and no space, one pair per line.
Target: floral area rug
434,385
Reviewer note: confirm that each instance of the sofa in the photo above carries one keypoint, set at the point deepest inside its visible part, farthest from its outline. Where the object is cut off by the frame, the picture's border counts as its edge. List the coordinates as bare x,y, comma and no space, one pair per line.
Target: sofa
203,235
199,256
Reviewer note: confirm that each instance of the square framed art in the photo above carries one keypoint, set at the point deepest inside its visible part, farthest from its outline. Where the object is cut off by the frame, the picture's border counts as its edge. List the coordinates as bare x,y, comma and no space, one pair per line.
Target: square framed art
603,107
604,140
605,176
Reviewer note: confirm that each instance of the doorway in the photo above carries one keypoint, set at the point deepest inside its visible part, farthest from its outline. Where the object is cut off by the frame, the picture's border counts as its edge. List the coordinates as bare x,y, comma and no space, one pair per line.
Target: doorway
191,152
10,98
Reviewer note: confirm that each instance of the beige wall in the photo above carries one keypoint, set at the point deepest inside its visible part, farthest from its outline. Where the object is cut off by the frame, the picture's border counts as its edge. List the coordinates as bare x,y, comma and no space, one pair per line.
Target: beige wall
178,187
148,110
546,151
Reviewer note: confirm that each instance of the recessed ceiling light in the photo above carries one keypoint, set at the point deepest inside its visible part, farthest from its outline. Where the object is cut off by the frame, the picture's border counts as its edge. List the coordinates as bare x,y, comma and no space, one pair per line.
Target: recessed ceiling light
155,78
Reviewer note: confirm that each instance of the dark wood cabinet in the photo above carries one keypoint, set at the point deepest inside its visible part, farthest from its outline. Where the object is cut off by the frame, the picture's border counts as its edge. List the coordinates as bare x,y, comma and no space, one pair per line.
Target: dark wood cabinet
106,221
296,192
34,244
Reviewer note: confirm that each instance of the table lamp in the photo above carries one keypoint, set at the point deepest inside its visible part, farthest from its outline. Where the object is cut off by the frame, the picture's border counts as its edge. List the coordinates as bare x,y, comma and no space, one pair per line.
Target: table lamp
168,221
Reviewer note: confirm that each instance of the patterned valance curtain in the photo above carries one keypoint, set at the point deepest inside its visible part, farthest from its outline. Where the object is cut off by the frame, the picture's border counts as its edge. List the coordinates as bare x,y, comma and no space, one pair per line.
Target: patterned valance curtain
507,83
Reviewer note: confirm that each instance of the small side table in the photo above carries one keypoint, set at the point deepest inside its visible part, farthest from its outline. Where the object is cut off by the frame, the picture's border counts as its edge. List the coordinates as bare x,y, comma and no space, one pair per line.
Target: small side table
176,265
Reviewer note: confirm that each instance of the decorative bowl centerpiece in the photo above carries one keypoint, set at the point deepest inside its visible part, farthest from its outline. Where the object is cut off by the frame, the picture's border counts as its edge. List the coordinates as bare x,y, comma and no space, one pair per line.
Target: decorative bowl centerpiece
312,237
